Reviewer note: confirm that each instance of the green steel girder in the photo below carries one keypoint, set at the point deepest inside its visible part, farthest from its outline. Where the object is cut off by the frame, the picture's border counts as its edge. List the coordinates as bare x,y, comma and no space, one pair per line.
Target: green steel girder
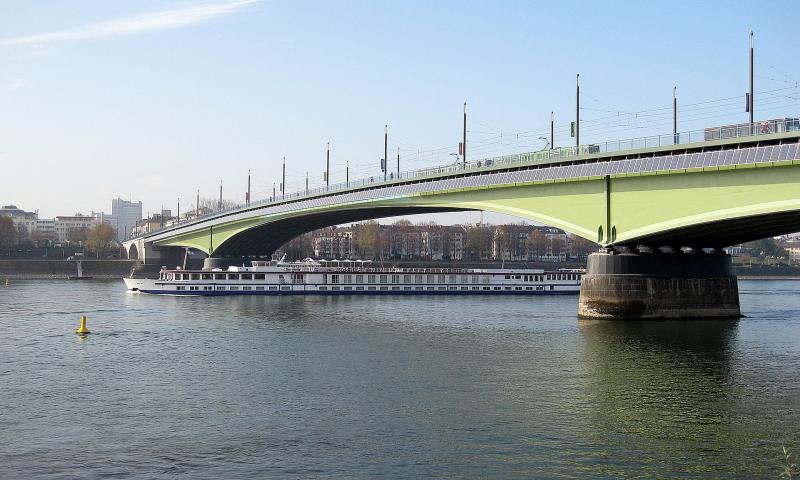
622,209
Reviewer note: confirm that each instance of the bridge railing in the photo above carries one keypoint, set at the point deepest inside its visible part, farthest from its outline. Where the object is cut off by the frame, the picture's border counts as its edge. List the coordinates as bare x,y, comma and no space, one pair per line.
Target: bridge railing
542,157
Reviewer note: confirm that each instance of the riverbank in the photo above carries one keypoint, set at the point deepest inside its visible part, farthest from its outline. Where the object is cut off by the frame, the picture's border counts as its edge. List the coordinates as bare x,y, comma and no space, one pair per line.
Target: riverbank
47,269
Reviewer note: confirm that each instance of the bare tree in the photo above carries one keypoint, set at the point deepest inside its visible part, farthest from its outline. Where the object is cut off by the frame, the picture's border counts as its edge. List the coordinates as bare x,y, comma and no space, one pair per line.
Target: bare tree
99,237
581,247
7,233
536,244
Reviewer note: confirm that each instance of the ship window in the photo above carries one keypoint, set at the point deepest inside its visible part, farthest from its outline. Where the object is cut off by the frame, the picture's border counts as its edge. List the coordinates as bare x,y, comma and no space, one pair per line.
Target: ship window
464,288
371,288
335,288
395,288
359,288
180,288
442,288
487,288
464,279
508,288
528,288
441,279
334,278
430,279
453,288
348,288
348,279
207,276
384,288
219,276
233,276
286,288
259,276
406,278
234,288
220,288
321,288
431,288
406,288
371,279
452,279
517,288
498,288
384,279
508,277
485,278
474,279
417,278
476,288
247,276
195,276
275,288
552,287
259,288
359,278
395,278
517,277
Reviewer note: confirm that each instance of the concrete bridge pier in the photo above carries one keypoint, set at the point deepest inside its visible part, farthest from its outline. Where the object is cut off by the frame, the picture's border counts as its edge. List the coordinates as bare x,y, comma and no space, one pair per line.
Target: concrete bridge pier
658,286
223,263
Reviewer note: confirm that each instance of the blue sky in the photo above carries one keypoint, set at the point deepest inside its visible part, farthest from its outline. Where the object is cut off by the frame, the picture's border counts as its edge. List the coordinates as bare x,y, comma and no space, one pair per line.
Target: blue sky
156,99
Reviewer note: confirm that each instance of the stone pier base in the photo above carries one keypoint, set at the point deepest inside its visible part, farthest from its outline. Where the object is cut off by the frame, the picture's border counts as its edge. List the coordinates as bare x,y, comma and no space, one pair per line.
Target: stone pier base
658,285
223,262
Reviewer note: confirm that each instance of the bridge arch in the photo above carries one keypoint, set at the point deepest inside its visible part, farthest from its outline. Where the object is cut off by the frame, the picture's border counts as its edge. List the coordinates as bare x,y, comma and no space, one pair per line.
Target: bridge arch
133,252
264,239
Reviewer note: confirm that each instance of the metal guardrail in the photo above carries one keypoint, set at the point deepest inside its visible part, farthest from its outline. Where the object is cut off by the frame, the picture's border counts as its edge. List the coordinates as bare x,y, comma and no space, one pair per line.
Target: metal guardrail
544,157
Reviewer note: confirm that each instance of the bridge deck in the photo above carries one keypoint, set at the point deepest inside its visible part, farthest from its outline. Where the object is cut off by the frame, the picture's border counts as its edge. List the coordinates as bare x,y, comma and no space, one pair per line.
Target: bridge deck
522,169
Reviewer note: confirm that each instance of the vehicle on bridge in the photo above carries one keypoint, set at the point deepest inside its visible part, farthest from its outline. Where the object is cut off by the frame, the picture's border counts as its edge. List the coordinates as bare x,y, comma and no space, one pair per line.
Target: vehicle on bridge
311,277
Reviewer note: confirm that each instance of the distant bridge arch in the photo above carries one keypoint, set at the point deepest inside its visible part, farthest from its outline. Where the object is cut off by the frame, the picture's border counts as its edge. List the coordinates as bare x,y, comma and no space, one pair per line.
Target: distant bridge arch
133,252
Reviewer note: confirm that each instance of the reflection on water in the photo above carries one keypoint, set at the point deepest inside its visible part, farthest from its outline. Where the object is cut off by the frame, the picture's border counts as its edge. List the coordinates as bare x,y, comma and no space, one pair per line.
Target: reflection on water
403,387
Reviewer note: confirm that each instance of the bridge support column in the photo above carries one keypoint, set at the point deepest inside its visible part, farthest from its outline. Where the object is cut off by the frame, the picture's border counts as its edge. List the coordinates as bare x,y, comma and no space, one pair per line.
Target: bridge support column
223,263
658,285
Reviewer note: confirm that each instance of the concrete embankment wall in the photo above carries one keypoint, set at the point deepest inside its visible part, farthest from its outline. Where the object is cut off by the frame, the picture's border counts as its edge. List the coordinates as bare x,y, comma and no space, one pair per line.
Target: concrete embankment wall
65,268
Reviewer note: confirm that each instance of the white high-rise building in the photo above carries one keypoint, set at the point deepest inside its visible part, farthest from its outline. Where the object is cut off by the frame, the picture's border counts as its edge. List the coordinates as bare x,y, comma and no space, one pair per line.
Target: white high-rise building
125,215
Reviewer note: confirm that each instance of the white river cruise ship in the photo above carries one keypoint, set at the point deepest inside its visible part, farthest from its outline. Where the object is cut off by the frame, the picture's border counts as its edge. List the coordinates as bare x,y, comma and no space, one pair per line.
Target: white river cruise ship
347,277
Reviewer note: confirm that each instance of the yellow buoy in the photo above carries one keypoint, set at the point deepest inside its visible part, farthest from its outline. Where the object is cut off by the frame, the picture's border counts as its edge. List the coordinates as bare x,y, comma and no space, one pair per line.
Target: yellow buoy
82,330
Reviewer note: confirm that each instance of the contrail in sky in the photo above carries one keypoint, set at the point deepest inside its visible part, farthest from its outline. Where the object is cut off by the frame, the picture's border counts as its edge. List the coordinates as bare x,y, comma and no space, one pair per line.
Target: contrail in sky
145,22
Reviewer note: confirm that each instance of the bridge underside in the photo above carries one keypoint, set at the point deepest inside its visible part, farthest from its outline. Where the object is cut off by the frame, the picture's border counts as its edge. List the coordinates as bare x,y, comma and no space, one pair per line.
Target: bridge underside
265,239
725,233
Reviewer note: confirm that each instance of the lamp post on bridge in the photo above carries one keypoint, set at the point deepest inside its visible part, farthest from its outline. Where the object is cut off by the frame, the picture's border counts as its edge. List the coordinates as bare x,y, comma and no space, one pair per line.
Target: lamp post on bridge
327,168
578,113
385,151
675,115
750,100
283,181
552,131
464,139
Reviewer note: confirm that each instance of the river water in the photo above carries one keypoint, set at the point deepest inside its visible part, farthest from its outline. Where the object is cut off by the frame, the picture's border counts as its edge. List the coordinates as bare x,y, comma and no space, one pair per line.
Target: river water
399,387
